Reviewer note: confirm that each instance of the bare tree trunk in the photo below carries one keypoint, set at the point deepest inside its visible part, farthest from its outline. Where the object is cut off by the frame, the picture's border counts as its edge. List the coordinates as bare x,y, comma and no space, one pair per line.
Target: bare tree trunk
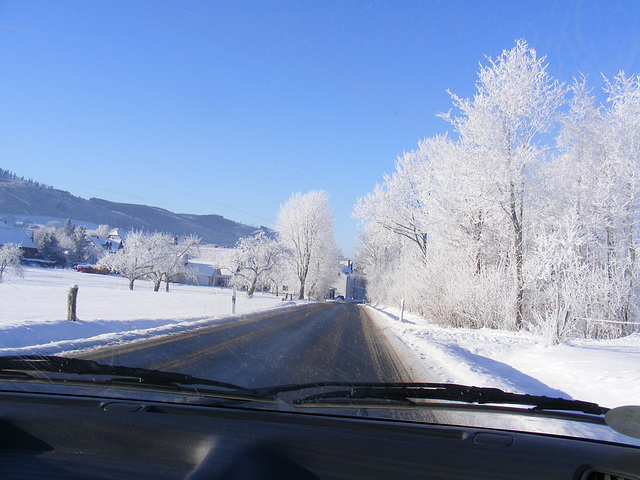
302,276
610,249
252,287
477,237
131,280
519,280
518,248
629,267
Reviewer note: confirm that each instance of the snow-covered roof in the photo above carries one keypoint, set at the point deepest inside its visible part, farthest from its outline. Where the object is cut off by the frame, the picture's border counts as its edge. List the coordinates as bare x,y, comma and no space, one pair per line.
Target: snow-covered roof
17,236
204,268
107,244
346,267
117,232
212,255
201,269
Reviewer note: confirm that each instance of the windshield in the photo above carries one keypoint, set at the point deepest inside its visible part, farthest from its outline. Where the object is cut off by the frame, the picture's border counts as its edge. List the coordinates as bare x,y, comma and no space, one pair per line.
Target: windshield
256,195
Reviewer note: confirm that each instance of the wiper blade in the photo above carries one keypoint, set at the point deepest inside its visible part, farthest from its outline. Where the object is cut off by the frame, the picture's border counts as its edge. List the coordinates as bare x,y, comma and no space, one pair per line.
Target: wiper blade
359,394
20,367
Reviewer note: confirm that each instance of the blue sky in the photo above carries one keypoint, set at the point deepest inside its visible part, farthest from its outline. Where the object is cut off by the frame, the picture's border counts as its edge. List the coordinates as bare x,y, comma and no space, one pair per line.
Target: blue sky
230,107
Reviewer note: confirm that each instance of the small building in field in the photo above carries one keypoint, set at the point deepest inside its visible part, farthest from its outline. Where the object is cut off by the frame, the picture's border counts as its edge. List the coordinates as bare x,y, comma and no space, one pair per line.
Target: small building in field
208,268
205,275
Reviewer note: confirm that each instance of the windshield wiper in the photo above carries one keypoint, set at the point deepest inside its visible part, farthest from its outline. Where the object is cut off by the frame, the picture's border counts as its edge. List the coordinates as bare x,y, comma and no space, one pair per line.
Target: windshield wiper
24,367
406,394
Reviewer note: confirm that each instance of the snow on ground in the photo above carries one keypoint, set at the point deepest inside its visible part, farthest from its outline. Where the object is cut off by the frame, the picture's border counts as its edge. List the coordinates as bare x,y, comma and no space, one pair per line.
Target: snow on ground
606,372
33,310
33,319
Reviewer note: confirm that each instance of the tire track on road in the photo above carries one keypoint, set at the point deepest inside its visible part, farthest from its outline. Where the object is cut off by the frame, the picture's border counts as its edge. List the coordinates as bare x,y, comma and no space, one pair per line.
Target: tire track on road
196,356
389,367
110,352
387,364
324,352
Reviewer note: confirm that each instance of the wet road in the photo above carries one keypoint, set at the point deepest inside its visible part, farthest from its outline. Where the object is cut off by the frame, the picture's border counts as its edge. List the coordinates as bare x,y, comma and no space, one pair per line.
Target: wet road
321,342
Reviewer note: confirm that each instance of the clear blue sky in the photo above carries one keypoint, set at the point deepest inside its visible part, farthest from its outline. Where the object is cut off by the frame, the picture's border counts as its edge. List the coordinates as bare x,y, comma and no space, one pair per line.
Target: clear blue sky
230,107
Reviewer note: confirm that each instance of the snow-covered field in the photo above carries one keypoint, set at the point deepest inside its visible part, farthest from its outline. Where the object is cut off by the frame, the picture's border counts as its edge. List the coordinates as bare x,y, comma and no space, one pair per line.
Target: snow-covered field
603,371
33,310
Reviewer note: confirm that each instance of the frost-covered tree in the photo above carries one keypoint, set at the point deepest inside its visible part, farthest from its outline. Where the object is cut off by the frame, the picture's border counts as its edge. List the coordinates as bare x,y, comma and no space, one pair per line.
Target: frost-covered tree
169,256
375,259
516,103
622,146
282,274
157,256
79,244
305,229
49,248
255,256
67,229
467,203
401,204
322,272
134,260
101,232
64,236
594,189
441,187
10,256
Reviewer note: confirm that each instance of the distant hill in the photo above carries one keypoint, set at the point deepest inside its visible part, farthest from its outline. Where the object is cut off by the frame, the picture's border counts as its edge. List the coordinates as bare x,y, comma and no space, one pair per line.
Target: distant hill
27,197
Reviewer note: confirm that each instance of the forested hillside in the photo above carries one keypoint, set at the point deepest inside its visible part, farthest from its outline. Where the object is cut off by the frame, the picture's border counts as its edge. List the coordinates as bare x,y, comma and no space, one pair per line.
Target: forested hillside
19,196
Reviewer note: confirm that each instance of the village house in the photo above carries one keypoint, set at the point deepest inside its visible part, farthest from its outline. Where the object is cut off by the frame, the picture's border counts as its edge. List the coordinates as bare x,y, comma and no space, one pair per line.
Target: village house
209,268
347,285
20,237
99,246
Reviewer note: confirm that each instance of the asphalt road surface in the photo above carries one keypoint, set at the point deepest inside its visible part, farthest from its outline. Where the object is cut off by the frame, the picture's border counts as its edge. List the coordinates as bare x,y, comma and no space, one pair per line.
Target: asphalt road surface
320,342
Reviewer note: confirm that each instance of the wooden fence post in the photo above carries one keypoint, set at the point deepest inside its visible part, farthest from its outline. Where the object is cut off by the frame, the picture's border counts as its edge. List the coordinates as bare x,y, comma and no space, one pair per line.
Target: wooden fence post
72,297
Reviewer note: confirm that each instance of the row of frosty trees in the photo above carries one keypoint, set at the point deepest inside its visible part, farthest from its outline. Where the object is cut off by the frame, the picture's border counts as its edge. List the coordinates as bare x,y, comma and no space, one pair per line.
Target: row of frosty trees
300,253
528,218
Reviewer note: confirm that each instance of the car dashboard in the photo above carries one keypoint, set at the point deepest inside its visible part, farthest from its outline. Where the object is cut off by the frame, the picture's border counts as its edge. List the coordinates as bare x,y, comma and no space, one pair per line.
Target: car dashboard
91,437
